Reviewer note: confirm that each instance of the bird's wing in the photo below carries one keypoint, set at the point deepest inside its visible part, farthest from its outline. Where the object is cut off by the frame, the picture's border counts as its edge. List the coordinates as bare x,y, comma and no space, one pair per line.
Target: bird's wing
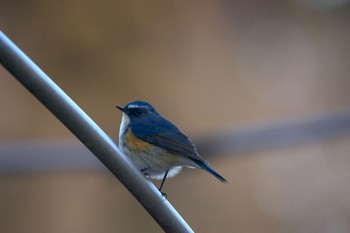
163,133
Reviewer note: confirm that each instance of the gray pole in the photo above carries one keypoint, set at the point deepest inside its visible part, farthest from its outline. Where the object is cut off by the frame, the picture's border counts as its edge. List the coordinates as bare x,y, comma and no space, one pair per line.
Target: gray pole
49,94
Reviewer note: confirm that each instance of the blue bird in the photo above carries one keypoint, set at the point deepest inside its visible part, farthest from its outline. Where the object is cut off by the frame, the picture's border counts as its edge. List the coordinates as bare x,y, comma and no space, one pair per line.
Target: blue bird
156,146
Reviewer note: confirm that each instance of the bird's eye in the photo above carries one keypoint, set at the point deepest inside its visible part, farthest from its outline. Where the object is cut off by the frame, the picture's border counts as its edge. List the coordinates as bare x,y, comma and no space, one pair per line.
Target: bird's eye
138,111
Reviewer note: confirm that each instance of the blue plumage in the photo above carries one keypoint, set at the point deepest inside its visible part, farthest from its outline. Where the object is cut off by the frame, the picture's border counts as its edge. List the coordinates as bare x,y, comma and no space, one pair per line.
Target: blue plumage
166,150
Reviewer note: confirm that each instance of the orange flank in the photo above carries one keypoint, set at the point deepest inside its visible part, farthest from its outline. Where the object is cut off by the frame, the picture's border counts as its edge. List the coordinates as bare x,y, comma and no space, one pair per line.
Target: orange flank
135,143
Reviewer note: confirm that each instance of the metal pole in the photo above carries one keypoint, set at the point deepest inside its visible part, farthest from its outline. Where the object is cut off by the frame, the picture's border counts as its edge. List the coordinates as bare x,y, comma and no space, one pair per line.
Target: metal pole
69,113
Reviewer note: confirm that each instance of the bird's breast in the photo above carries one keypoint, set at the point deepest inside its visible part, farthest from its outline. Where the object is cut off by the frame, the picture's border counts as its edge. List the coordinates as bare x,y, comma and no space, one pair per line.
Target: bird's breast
132,143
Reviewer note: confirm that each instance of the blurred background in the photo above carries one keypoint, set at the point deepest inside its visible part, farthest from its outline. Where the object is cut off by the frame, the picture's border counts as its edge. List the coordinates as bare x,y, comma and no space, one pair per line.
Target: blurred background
239,72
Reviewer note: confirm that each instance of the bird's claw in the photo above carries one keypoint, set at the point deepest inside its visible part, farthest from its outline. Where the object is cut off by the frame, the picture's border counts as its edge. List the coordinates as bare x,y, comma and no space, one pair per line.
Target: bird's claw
164,195
147,175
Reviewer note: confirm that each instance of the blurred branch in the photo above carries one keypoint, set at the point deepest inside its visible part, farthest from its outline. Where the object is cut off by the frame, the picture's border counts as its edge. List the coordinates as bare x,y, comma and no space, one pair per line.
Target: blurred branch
278,134
56,154
49,94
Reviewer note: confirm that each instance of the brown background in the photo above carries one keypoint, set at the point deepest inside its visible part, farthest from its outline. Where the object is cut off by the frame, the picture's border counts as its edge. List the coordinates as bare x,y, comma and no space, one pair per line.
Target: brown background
209,66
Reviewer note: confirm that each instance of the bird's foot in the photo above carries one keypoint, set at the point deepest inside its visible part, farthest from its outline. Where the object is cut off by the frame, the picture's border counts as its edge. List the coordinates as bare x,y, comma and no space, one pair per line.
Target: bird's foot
164,195
147,175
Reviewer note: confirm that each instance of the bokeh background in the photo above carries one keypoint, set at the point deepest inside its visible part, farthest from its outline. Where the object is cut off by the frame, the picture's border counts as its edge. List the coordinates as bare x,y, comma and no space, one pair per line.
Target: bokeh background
210,67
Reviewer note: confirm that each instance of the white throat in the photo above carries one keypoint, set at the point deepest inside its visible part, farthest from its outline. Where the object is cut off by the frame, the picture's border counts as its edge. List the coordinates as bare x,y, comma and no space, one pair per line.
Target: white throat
123,126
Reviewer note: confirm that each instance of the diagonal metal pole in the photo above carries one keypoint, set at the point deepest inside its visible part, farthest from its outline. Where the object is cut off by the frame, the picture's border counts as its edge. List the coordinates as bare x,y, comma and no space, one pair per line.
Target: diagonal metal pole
69,113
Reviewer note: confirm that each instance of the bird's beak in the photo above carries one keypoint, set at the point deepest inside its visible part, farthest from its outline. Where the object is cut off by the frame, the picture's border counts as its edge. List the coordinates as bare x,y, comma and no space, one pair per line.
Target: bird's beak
122,109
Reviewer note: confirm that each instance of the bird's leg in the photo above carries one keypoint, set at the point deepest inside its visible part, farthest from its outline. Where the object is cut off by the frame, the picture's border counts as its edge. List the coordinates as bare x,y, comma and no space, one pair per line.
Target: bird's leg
148,176
161,185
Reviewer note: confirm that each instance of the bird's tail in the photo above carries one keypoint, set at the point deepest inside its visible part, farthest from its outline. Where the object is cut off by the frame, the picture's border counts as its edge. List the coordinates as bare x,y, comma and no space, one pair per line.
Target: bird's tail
206,167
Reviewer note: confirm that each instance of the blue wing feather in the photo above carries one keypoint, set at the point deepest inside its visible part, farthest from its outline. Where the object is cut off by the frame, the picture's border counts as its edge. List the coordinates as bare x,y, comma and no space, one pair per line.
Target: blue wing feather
161,132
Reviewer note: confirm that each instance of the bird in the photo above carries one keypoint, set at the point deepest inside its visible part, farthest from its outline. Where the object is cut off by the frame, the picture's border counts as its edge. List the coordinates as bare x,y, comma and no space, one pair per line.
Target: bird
155,145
